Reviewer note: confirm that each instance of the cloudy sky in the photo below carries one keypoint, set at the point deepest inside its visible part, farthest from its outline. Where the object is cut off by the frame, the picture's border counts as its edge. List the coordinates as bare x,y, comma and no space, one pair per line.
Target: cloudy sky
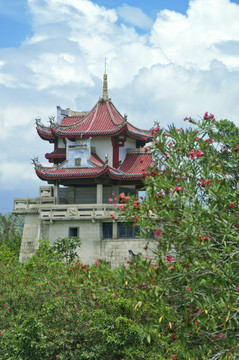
166,59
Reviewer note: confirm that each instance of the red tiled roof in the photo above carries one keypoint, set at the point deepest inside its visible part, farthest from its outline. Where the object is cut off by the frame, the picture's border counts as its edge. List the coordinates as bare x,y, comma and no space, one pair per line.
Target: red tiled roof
95,159
56,154
73,173
103,120
45,133
71,120
133,167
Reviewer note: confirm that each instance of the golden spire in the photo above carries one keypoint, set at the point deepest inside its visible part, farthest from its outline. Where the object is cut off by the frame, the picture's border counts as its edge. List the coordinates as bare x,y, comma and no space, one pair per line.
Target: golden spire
105,85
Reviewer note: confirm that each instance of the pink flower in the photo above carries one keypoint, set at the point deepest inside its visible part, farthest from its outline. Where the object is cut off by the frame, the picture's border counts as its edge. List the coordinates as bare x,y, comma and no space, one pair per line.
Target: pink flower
114,295
188,288
157,232
204,238
110,200
38,285
169,258
153,131
57,356
202,182
232,204
193,154
207,116
197,138
238,289
209,141
199,153
112,216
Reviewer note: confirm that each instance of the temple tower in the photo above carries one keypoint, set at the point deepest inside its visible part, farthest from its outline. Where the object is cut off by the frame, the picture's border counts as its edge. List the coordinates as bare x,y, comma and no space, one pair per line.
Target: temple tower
96,154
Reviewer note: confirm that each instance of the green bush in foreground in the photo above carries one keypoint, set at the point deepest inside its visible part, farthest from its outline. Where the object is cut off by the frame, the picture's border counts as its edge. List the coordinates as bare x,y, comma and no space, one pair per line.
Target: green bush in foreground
50,309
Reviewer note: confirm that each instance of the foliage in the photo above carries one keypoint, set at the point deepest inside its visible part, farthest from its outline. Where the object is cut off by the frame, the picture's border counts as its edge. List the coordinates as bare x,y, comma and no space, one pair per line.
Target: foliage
11,228
50,309
192,210
67,247
183,306
227,133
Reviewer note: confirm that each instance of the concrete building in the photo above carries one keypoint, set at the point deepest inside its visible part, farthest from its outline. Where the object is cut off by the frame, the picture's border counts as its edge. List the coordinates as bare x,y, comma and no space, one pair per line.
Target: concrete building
95,154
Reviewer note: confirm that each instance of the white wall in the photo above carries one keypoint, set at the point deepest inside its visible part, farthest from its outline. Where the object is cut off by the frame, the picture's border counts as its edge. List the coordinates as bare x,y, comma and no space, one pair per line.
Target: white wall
129,144
103,146
61,144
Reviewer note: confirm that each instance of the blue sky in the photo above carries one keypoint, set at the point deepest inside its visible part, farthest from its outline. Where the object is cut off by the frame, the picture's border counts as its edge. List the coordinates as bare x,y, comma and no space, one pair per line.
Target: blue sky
166,59
15,18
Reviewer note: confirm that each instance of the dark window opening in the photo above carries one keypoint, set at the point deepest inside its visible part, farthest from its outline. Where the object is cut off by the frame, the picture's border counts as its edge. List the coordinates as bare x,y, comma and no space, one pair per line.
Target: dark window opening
73,232
78,162
126,231
107,230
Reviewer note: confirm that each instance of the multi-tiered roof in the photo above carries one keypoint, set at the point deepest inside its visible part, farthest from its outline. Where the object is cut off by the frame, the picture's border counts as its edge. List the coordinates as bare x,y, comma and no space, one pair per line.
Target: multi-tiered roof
103,121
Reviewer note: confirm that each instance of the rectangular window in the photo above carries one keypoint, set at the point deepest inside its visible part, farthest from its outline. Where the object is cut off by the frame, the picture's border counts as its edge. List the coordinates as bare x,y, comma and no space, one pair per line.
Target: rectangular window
126,231
107,230
73,232
78,162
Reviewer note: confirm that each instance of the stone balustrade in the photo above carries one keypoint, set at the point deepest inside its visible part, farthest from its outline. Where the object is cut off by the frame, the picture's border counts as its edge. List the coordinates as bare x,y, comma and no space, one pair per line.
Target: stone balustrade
23,204
48,210
75,211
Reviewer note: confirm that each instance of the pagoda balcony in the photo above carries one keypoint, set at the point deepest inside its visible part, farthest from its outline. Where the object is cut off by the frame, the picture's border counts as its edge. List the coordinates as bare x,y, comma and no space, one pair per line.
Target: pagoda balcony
48,210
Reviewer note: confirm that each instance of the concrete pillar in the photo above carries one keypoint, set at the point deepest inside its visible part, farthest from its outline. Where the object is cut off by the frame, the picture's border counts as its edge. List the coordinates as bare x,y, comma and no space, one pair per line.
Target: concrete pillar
99,194
29,237
71,195
56,192
115,230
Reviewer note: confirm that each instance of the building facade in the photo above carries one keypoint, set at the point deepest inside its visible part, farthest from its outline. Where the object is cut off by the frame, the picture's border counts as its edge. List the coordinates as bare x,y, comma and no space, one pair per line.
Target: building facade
96,154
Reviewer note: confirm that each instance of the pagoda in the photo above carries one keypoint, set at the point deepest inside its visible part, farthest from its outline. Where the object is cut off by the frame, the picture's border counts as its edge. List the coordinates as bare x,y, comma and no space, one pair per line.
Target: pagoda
96,154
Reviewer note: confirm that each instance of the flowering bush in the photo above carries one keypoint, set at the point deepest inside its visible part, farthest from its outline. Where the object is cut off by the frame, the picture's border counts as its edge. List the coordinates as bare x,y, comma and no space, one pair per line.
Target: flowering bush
192,208
185,305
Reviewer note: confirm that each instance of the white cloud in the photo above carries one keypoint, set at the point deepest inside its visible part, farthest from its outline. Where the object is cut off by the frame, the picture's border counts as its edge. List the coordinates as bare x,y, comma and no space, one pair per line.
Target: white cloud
183,66
134,16
9,171
192,40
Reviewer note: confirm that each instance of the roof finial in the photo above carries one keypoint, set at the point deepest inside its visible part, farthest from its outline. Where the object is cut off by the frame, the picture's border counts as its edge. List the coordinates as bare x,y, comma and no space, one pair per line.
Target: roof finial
105,85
